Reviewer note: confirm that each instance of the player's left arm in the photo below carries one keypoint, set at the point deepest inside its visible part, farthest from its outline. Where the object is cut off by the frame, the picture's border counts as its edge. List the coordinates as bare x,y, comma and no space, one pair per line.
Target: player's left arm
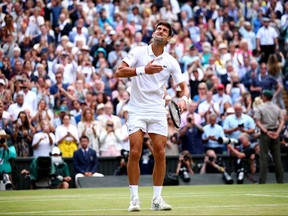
185,96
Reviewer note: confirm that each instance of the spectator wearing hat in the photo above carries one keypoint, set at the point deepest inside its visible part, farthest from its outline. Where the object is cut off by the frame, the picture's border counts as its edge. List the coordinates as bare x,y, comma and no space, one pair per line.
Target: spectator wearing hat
67,136
221,97
61,170
267,39
248,34
270,121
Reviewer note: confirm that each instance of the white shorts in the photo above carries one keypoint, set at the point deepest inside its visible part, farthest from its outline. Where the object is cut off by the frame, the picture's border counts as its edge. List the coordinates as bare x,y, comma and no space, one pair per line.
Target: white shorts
147,123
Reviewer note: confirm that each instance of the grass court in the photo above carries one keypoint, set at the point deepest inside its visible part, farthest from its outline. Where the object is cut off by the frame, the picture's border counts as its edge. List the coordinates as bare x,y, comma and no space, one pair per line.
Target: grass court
269,199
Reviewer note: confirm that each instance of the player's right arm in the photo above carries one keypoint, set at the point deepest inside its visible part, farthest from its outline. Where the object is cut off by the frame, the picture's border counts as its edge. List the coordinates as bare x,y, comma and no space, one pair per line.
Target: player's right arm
125,71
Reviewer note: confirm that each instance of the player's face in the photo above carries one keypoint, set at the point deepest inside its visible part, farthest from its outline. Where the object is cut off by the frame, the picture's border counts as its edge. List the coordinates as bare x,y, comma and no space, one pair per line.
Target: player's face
161,34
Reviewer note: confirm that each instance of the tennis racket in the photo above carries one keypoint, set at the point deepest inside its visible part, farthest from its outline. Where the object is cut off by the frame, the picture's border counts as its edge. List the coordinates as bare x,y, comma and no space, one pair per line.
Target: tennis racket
175,113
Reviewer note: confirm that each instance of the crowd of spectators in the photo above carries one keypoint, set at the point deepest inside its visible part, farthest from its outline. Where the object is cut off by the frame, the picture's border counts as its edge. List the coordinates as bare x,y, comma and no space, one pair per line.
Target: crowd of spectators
58,62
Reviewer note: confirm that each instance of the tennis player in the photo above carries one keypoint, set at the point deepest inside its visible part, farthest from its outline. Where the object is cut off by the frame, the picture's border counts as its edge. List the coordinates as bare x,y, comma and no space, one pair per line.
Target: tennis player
149,68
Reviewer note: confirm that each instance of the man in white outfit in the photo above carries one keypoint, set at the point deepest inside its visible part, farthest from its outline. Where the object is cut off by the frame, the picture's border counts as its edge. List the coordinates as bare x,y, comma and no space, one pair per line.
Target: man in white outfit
149,68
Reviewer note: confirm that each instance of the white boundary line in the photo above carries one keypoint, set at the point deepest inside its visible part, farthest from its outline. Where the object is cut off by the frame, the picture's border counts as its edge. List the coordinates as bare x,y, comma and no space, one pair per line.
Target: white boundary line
266,195
145,209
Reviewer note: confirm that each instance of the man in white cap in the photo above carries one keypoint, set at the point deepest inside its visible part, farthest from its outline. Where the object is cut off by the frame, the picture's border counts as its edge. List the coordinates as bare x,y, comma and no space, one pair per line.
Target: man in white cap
267,39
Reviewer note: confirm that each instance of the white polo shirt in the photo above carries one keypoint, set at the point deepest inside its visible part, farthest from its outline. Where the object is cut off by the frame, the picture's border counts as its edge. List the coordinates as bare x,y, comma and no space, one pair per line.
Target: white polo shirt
147,91
266,35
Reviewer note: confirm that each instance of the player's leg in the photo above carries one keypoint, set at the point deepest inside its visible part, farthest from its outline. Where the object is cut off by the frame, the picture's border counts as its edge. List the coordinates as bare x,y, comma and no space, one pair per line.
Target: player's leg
159,143
136,140
133,168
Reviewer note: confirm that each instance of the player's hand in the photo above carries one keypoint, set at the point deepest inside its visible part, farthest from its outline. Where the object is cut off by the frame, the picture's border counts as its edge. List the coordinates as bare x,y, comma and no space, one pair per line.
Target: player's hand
151,68
182,105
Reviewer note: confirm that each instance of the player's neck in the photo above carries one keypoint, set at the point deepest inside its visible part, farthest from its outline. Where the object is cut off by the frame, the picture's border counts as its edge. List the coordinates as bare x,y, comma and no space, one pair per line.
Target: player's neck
157,49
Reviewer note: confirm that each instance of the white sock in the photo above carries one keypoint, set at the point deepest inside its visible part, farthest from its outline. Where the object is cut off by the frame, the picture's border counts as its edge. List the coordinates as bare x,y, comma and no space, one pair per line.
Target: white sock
133,190
157,191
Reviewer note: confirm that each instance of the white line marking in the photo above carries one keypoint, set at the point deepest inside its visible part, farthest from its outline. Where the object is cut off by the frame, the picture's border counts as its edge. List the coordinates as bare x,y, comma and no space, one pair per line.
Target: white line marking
266,195
146,209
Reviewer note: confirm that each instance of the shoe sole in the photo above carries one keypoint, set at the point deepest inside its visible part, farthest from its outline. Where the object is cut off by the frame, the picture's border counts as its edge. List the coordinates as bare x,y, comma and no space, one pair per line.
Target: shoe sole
156,209
134,210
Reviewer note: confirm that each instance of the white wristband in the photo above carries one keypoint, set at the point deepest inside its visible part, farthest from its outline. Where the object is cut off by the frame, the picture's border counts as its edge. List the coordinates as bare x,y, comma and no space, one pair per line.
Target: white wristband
185,99
140,70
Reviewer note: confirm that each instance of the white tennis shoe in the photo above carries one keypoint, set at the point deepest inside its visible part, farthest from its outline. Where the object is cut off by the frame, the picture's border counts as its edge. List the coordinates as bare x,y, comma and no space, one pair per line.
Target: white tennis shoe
158,204
134,204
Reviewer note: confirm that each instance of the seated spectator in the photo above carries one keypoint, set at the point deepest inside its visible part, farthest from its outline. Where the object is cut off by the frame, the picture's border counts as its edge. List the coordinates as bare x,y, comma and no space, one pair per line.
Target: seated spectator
7,154
89,127
190,136
238,123
23,135
67,136
43,140
77,111
202,91
85,161
62,174
212,132
6,124
110,140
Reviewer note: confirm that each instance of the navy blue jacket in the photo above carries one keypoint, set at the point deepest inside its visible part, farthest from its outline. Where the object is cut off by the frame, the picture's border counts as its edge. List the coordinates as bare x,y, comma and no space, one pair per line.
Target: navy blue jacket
83,163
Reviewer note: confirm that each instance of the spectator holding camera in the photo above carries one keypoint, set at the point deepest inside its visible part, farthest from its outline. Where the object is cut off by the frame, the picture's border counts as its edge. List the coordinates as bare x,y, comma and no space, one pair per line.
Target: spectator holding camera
6,154
212,132
270,120
110,140
246,155
190,136
238,123
184,167
121,169
213,165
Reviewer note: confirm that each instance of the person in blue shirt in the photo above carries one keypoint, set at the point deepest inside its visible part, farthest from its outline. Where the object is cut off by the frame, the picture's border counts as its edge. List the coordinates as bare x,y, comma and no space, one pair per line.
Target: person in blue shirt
238,123
212,132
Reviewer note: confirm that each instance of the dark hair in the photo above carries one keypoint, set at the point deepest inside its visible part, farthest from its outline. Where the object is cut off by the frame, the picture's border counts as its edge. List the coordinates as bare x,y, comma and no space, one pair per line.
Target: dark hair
84,137
167,24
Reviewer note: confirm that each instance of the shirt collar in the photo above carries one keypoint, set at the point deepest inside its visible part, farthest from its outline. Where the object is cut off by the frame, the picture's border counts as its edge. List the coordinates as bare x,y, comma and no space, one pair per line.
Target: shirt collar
150,53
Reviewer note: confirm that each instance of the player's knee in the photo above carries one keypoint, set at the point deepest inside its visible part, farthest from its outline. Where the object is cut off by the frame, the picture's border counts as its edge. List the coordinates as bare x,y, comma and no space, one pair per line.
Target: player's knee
134,154
159,155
